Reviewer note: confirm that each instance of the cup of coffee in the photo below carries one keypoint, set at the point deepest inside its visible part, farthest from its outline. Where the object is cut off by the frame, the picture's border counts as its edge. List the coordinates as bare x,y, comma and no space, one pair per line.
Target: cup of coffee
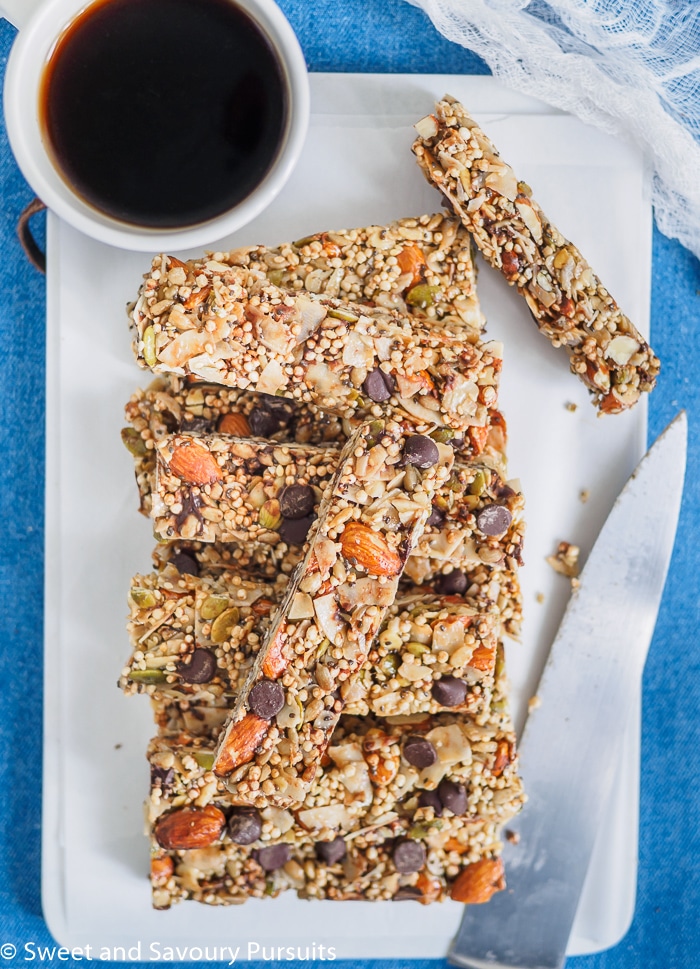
155,124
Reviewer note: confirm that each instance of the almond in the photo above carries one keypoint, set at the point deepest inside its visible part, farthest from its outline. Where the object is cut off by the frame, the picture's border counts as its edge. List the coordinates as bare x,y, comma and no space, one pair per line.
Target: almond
598,374
567,308
411,260
194,464
262,607
478,437
477,882
452,844
235,424
190,827
504,755
382,767
370,550
196,299
382,771
510,264
483,658
430,888
240,743
331,249
610,404
275,661
161,869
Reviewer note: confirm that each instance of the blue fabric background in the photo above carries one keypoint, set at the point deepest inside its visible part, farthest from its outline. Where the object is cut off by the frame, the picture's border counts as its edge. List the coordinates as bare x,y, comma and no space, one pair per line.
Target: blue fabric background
384,36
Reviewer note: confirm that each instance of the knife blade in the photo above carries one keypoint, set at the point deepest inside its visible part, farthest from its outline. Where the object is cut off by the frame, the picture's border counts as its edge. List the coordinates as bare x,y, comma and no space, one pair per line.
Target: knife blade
570,744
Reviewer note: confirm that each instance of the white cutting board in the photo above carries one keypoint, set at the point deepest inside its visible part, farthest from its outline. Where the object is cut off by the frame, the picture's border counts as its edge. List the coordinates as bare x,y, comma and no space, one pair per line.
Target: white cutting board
356,169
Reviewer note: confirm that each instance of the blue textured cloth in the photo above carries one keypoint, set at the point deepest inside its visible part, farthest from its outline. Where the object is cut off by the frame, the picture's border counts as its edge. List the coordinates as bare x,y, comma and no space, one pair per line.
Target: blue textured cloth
382,36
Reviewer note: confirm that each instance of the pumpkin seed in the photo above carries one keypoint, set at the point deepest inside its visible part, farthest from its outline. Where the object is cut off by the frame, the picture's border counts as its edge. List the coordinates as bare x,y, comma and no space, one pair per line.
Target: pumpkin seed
213,606
147,676
223,624
133,442
143,598
149,346
270,516
205,758
422,295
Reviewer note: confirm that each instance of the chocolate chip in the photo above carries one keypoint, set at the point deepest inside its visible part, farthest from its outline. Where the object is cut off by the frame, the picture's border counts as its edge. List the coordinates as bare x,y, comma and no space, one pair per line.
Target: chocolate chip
297,501
162,778
280,404
331,852
262,423
197,425
431,799
408,856
493,520
185,563
266,699
453,796
503,491
453,584
420,451
379,386
408,893
436,518
191,505
419,752
293,531
273,857
449,691
244,825
200,669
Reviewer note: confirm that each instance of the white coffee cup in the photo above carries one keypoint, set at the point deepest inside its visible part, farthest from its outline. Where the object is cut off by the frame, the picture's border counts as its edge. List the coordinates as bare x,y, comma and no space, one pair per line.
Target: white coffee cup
40,23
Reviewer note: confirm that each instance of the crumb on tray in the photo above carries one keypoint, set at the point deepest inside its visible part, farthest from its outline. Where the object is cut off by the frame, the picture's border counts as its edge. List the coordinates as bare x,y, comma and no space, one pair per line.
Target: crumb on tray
565,560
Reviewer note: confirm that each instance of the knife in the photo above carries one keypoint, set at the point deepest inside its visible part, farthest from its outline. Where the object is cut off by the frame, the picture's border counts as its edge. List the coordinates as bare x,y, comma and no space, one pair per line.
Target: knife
570,745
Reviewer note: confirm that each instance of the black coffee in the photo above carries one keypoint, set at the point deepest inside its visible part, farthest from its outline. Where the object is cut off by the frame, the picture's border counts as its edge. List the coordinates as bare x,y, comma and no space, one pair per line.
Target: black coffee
163,113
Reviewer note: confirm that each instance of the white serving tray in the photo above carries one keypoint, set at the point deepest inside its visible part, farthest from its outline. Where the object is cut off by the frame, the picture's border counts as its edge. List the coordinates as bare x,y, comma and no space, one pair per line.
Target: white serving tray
356,169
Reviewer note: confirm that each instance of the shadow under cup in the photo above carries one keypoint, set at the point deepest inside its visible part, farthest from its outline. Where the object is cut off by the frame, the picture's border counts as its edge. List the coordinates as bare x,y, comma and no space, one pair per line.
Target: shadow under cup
163,113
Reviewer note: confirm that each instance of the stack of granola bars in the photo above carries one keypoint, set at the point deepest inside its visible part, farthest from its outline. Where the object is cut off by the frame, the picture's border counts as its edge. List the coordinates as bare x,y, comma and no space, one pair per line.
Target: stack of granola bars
321,636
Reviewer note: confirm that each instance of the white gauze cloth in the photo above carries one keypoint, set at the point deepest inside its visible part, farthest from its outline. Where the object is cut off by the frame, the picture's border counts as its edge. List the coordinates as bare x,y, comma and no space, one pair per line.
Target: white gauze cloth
631,67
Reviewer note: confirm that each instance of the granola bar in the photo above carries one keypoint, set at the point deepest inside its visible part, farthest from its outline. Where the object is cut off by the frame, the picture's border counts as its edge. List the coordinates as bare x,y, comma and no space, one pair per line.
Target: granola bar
419,266
415,803
370,518
231,326
194,636
377,772
218,488
568,301
466,868
227,489
173,405
489,590
433,653
477,518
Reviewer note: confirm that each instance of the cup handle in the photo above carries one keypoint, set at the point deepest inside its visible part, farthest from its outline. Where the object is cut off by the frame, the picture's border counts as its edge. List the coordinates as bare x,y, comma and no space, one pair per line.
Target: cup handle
18,12
32,250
